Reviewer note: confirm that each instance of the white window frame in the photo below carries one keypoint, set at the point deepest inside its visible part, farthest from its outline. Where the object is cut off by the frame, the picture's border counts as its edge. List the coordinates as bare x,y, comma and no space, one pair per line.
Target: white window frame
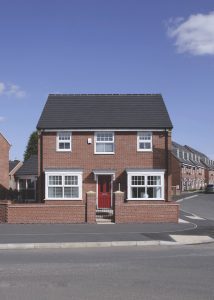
63,174
145,174
58,141
141,133
102,142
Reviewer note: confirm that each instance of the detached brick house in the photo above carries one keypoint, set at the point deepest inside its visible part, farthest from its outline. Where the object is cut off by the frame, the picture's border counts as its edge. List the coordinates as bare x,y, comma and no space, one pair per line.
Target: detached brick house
106,156
4,162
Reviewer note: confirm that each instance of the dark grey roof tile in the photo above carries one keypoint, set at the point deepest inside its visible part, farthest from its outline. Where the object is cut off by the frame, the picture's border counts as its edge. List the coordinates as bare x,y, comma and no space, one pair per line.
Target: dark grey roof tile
110,111
29,167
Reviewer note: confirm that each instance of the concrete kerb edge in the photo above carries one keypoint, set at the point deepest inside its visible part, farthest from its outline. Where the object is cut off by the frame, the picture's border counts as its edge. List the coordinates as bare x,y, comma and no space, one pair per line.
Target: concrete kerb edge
31,246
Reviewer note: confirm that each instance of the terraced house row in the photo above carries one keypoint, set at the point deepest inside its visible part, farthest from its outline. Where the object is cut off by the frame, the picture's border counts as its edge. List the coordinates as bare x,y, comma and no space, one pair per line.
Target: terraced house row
191,169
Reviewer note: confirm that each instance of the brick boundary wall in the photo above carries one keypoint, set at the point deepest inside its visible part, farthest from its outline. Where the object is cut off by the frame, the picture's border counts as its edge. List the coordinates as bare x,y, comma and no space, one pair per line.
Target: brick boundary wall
91,207
129,212
41,213
3,212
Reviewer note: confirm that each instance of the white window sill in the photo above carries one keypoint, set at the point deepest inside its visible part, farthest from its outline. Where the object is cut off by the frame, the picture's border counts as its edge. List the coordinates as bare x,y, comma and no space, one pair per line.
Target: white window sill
63,199
105,153
145,199
143,150
61,150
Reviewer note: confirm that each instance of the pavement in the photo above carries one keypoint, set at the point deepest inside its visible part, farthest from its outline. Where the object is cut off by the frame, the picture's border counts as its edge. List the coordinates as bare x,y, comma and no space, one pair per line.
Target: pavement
191,229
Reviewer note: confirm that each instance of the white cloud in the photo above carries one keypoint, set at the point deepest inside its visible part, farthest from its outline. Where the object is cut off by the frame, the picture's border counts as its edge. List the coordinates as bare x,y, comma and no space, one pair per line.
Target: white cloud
11,90
194,35
2,87
16,91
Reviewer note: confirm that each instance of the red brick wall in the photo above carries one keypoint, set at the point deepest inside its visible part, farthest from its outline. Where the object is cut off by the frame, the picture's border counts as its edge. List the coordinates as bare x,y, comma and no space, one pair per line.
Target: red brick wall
91,208
4,162
144,212
3,212
176,171
42,213
126,156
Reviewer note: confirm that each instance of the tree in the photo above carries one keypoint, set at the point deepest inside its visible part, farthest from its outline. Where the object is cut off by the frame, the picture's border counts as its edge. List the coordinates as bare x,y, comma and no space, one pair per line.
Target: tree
32,146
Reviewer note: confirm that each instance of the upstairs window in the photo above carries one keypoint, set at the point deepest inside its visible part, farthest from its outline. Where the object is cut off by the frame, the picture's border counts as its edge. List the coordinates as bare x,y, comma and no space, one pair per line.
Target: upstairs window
64,141
104,142
144,141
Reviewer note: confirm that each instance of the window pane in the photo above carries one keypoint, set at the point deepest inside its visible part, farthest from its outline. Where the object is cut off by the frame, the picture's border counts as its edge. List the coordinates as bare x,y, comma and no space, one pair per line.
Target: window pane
145,136
75,192
154,180
30,184
109,147
144,145
104,136
154,192
71,180
22,184
63,136
138,192
71,192
64,145
55,180
100,147
67,192
55,192
138,180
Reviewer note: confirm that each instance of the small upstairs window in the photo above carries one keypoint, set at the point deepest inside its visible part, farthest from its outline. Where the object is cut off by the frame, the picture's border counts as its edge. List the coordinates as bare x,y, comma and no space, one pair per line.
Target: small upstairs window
63,141
104,142
144,141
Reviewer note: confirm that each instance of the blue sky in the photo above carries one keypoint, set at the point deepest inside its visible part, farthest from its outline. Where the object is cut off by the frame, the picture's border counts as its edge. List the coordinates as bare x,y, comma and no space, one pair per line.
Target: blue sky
114,46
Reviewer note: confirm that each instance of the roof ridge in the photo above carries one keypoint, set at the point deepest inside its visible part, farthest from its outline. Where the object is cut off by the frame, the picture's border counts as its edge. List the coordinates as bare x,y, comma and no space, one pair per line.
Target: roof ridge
110,94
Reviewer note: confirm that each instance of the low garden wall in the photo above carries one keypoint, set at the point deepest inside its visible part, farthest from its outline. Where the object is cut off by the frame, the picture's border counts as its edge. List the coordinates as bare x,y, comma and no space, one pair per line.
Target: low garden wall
145,212
41,213
79,212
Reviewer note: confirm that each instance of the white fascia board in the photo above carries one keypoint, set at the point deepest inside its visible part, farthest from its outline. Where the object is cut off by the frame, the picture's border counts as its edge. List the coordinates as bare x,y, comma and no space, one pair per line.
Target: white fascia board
101,129
58,170
129,171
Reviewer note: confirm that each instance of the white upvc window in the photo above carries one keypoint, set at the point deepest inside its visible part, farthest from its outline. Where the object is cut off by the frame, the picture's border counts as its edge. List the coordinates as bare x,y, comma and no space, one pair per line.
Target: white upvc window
63,141
104,142
63,185
144,141
146,186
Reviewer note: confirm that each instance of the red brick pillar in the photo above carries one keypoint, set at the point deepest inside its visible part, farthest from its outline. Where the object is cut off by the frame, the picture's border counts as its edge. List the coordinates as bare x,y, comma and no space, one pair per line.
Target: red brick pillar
4,211
118,205
91,207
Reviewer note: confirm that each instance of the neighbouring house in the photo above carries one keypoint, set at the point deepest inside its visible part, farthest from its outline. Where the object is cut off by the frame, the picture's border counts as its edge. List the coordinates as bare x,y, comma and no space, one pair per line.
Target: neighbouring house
14,165
26,179
207,163
106,157
188,171
4,164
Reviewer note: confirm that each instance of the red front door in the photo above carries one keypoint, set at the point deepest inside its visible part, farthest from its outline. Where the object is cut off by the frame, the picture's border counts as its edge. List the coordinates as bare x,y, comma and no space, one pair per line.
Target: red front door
104,191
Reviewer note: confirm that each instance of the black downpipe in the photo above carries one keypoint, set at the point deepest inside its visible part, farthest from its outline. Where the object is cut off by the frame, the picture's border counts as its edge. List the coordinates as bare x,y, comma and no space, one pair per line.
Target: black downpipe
167,164
41,167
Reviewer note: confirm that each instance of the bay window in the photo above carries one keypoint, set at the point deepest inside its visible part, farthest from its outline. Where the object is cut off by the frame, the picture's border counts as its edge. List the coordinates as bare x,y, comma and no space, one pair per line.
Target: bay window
63,185
145,185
